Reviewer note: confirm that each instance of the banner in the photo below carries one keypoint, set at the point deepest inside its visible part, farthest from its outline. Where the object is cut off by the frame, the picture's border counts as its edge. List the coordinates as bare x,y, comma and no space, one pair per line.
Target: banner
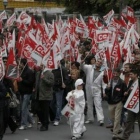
132,102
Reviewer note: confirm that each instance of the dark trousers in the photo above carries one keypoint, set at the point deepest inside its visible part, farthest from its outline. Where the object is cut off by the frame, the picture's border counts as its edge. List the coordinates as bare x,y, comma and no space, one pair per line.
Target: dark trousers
1,123
130,122
43,112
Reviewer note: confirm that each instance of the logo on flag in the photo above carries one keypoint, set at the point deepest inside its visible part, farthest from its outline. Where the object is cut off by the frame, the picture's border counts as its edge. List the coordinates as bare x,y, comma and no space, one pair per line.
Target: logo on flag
12,72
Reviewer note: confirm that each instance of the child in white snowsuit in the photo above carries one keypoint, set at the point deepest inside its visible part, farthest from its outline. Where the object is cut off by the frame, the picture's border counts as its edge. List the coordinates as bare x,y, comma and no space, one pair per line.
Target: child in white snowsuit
76,101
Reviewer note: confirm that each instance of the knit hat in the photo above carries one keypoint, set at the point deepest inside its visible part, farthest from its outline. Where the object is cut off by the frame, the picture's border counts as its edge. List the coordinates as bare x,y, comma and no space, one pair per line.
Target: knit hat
78,82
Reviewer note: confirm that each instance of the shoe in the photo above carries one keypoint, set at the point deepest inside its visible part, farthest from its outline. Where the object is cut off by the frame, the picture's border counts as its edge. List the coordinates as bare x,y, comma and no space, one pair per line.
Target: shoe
73,138
88,121
56,123
42,128
121,138
109,126
30,125
22,128
119,132
14,131
114,137
101,123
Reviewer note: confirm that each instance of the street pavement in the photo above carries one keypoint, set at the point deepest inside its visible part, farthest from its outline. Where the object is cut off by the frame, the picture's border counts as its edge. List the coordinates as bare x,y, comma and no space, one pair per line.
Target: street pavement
62,132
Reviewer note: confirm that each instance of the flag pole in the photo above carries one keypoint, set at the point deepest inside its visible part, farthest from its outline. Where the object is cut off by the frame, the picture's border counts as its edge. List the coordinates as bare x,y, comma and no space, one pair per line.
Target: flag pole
61,73
23,68
88,54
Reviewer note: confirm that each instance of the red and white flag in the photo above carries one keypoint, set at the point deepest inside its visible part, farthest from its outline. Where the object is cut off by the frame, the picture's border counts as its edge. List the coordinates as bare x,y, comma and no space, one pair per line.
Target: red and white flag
65,42
3,15
130,14
38,54
108,17
3,50
29,45
2,69
132,102
11,43
24,18
11,20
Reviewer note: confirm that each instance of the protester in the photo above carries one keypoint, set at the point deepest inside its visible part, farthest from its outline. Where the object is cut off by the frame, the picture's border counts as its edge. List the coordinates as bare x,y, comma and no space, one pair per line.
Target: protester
115,94
131,115
94,85
3,94
25,87
60,81
44,95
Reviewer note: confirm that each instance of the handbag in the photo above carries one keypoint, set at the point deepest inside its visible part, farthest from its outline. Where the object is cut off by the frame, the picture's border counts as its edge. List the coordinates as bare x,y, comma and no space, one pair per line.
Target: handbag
14,102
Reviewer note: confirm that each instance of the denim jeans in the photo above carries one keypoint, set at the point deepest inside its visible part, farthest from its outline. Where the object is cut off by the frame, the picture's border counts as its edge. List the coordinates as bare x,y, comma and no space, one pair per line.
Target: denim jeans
25,114
56,104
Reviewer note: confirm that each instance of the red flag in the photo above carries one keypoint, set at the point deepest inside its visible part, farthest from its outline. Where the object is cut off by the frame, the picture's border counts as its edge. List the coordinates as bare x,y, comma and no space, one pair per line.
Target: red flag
11,67
33,22
116,53
122,21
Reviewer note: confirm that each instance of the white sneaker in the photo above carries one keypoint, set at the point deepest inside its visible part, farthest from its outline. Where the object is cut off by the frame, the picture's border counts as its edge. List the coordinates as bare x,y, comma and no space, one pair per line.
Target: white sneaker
87,122
56,123
22,128
30,125
101,123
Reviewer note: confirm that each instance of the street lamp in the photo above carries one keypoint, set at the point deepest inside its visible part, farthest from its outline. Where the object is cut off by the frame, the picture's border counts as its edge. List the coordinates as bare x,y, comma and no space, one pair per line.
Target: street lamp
5,3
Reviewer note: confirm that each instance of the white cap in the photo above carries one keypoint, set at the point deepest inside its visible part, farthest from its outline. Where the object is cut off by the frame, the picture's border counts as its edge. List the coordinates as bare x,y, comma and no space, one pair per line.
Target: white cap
78,82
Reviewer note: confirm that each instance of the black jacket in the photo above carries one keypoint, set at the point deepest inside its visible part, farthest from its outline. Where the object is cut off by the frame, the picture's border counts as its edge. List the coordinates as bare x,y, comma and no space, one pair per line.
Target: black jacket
118,92
27,83
129,91
58,78
3,93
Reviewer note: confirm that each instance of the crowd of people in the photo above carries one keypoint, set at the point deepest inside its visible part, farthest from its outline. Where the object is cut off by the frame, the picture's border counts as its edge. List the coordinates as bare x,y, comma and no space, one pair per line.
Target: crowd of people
47,91
44,93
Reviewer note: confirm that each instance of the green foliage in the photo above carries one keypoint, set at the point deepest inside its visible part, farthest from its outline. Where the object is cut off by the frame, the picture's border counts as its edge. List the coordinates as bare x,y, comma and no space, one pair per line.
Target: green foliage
89,7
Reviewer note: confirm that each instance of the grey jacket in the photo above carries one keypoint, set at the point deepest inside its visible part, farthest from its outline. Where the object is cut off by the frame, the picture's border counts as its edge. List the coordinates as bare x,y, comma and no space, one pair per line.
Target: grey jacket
44,86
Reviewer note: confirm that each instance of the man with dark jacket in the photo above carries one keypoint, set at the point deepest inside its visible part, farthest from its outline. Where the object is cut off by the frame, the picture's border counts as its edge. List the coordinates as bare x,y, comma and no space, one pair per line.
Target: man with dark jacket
131,115
60,80
3,93
25,87
115,94
44,95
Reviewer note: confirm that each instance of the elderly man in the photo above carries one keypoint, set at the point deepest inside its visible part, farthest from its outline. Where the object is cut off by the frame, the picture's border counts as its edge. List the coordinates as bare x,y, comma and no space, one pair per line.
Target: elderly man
94,86
44,95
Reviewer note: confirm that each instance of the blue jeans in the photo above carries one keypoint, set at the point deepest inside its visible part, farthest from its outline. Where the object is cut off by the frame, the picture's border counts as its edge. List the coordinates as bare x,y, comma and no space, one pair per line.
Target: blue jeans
56,104
25,114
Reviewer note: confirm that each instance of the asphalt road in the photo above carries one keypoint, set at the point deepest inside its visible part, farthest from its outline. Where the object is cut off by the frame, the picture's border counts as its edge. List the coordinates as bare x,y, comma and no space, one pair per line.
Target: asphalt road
62,132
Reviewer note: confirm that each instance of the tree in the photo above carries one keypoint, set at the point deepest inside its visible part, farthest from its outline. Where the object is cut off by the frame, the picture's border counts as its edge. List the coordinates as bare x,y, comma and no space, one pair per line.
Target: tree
88,7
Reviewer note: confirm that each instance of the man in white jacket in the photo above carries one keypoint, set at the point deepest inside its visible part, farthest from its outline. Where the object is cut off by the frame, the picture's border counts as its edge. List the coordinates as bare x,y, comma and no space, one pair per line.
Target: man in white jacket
94,86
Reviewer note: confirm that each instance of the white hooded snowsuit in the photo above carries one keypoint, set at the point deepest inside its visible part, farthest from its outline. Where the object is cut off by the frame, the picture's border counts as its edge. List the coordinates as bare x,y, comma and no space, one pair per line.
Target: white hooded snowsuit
76,121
